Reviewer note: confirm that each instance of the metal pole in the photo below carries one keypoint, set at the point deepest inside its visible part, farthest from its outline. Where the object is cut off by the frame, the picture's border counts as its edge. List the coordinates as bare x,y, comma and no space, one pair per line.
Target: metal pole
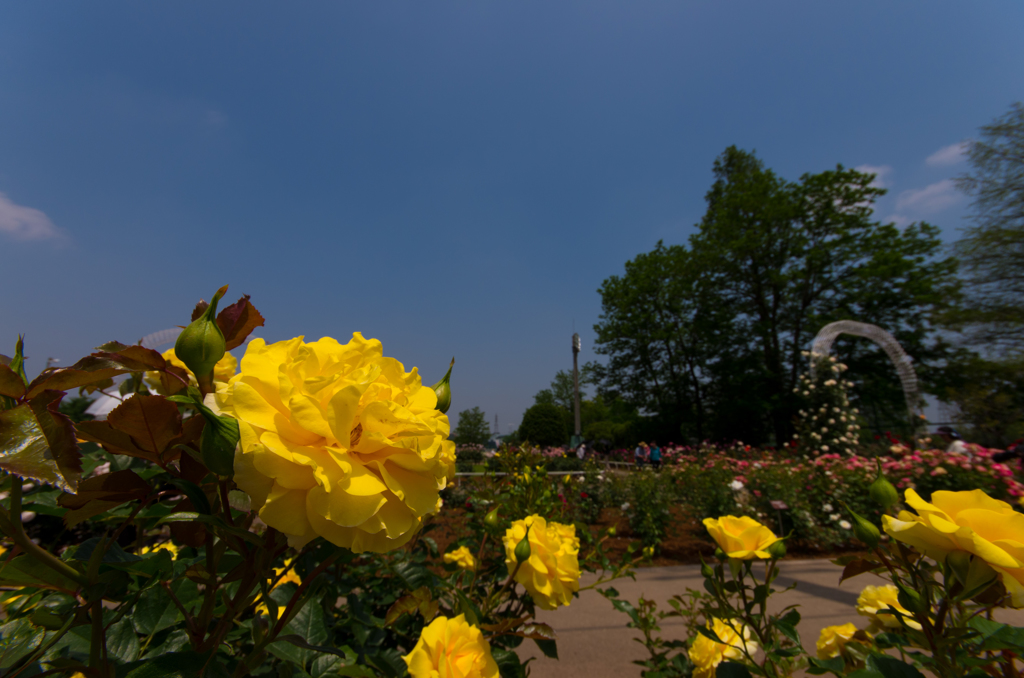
576,382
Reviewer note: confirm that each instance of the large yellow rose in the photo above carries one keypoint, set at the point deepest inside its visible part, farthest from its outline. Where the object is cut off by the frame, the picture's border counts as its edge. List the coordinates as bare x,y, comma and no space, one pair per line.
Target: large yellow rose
874,600
833,639
337,441
706,654
742,538
225,368
966,521
451,648
552,573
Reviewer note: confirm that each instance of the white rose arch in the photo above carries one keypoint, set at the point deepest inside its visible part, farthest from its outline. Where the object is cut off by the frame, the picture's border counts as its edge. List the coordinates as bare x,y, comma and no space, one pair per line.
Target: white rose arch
903,363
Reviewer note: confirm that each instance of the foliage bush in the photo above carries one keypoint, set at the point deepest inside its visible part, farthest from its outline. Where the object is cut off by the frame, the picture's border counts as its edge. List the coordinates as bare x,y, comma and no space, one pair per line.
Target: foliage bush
130,550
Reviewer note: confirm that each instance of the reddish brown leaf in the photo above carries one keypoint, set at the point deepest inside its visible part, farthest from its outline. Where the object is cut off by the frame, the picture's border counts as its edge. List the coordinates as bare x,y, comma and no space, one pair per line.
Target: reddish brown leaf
11,384
153,422
537,632
60,436
102,493
200,309
112,359
237,321
112,440
858,566
38,442
192,469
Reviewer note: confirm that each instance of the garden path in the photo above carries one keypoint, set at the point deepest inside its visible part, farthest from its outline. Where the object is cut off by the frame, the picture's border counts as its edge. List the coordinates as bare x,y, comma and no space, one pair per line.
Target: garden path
593,641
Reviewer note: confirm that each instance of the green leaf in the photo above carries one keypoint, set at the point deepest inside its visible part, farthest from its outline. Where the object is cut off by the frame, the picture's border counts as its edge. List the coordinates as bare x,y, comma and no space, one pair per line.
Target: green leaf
835,665
122,644
155,611
709,634
548,647
194,493
38,442
214,521
26,571
17,639
996,636
890,667
789,631
173,665
732,670
508,663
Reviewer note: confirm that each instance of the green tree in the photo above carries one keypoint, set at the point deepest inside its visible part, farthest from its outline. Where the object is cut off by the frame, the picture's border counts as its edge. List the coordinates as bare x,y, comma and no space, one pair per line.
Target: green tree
661,332
472,428
992,249
989,398
544,424
711,336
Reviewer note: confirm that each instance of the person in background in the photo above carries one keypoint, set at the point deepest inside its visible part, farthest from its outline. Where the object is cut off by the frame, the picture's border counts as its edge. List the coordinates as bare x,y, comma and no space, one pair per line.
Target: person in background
581,451
954,440
655,456
640,454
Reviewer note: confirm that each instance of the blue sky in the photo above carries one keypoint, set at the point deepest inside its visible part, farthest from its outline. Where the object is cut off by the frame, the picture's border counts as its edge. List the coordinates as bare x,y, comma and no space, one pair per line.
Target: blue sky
453,178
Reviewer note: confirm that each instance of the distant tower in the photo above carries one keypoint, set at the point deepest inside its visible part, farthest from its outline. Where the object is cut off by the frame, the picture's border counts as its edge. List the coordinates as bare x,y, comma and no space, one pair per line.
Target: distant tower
497,430
576,439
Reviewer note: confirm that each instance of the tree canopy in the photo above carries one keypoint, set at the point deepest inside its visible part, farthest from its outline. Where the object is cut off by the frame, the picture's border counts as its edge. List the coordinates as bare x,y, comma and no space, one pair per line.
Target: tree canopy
992,248
707,337
472,428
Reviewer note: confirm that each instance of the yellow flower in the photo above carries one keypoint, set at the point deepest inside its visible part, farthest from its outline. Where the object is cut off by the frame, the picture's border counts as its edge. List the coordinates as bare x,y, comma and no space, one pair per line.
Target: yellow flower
461,557
337,441
284,575
833,640
552,572
742,538
874,600
225,368
162,546
451,648
966,521
706,654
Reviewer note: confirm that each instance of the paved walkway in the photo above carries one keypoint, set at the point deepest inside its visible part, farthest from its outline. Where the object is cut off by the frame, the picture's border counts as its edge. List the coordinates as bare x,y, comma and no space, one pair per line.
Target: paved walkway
593,641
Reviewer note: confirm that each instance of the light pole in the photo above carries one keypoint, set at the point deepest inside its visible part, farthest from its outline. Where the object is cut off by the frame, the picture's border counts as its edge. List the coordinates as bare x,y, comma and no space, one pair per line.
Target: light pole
577,438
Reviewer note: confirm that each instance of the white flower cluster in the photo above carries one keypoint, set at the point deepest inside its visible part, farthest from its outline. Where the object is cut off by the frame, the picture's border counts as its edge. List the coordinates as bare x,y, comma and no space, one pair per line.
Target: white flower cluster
829,424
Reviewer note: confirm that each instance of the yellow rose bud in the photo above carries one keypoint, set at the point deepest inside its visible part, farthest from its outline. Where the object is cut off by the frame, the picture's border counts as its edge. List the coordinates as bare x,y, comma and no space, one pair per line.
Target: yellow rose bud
966,521
337,441
461,557
706,654
451,648
741,538
551,572
882,491
833,640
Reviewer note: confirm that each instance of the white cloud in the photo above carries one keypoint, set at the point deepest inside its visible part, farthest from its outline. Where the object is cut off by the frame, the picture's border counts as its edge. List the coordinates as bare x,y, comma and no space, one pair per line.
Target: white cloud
950,155
899,220
930,199
880,172
25,223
